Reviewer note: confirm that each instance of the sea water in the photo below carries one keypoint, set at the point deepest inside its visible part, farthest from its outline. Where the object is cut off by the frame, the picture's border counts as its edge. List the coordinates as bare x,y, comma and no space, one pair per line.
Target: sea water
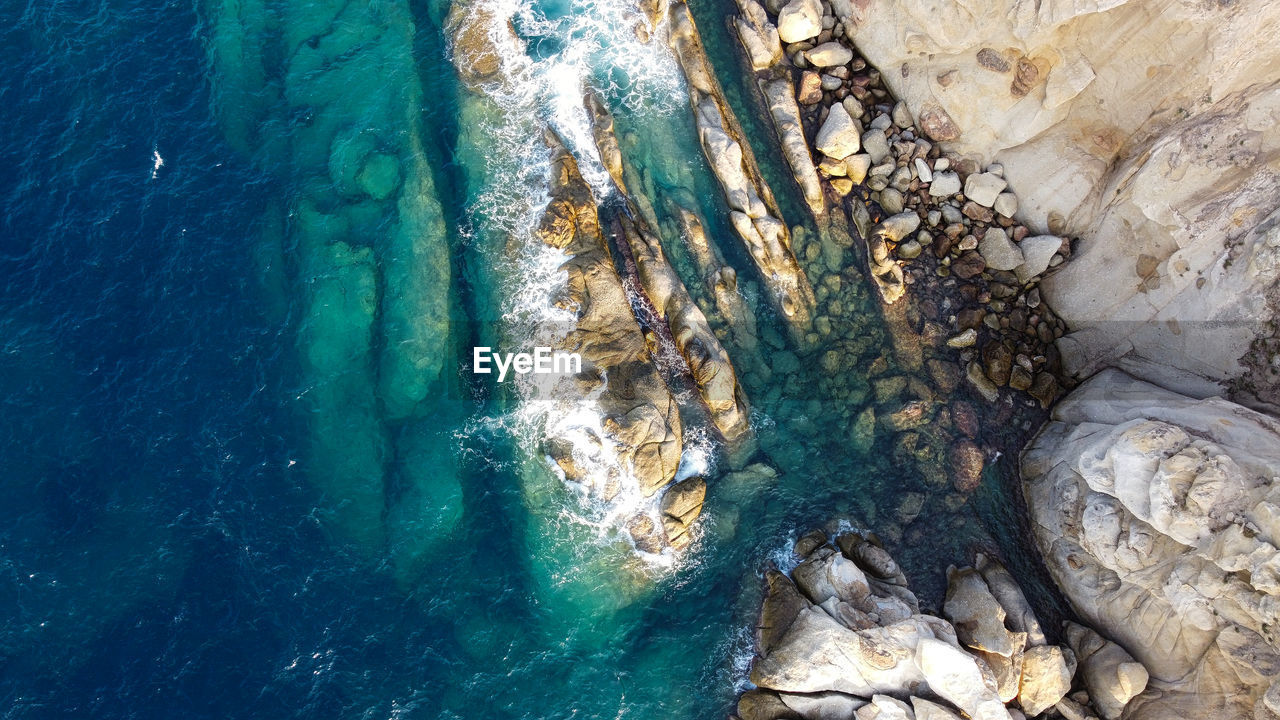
246,471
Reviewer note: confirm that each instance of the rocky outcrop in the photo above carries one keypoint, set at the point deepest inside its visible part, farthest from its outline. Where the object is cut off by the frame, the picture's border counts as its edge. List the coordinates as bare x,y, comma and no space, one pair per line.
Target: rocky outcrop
704,357
753,214
844,637
1148,130
640,418
1159,517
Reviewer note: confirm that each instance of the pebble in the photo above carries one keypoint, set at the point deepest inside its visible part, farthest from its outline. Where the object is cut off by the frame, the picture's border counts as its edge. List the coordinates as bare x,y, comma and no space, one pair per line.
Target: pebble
1006,204
909,250
831,82
882,122
891,201
874,142
902,116
829,54
983,188
965,339
799,20
951,213
856,167
810,90
922,170
944,184
941,164
968,242
842,185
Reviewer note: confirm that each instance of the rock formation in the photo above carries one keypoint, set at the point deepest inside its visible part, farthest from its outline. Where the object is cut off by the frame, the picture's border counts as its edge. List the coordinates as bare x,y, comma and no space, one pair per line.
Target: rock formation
1157,516
639,417
1149,131
703,355
754,213
844,637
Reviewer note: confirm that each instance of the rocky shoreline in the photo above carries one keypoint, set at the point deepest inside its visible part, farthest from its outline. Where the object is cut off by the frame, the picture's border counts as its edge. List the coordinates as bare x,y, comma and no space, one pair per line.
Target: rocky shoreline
843,636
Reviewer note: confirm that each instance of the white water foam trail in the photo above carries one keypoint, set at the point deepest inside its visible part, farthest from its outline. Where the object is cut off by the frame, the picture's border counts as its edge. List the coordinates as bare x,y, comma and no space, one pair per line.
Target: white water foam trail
596,45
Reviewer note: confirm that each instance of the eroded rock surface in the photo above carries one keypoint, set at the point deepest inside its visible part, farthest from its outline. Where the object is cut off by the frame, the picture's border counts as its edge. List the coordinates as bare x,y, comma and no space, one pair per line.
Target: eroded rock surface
844,637
1159,517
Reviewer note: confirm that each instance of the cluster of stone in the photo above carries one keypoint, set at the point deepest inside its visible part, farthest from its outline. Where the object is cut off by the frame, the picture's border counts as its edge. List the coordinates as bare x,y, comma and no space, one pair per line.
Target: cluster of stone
939,224
844,637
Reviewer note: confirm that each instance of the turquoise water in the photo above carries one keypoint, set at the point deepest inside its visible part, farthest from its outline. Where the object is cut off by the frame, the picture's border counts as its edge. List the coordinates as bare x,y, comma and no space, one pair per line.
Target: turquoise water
248,246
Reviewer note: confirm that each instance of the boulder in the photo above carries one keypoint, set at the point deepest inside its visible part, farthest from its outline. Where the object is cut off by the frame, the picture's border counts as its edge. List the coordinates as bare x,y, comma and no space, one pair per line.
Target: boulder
975,613
999,252
839,136
1111,675
799,20
1046,678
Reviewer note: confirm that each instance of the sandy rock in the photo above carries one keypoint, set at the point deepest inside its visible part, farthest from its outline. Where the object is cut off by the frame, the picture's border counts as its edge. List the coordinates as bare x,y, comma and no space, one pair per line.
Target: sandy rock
1111,675
975,613
759,36
838,137
960,679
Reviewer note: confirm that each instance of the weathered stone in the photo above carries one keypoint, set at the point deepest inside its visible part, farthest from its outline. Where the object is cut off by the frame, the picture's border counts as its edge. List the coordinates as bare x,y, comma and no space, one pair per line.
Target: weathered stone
967,462
998,251
829,54
1046,678
838,137
984,188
